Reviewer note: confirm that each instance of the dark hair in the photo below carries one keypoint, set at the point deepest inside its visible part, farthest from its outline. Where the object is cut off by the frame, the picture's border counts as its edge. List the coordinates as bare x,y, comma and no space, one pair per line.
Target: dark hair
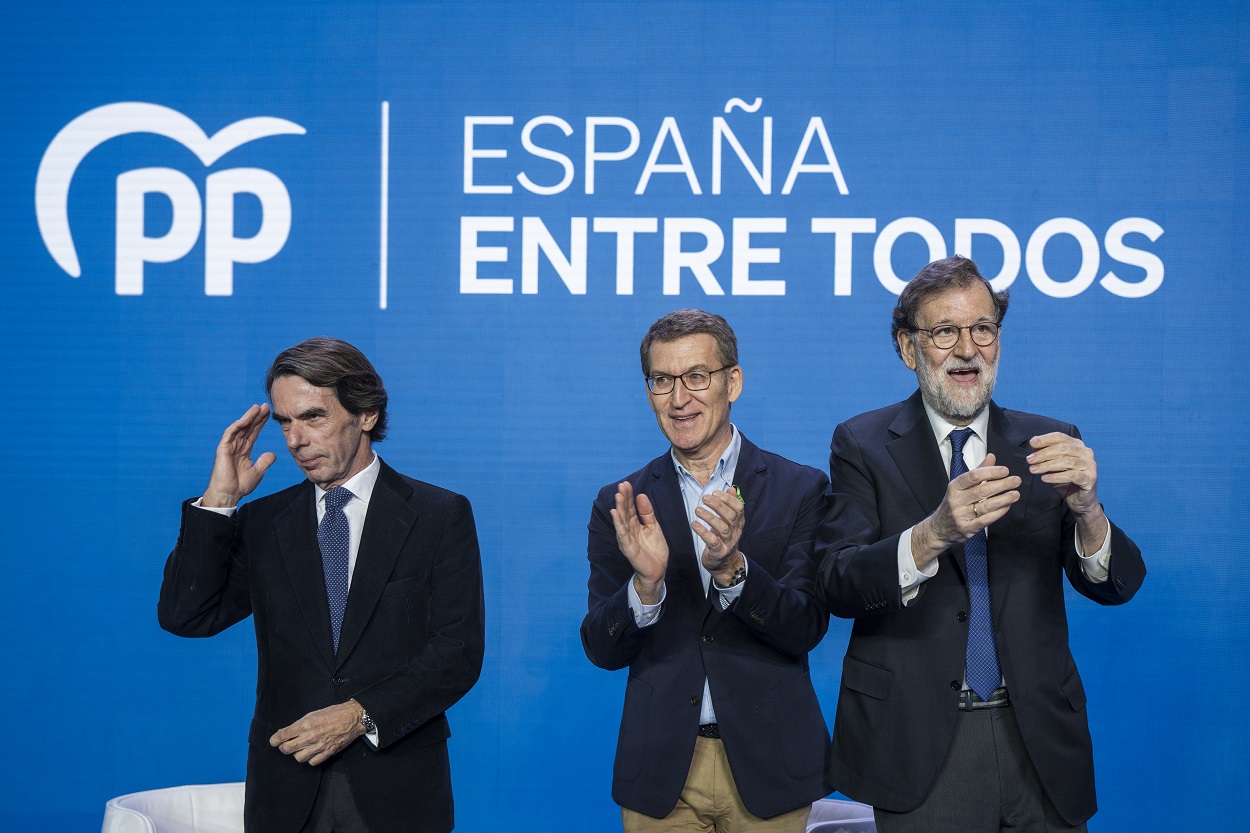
687,322
333,363
956,272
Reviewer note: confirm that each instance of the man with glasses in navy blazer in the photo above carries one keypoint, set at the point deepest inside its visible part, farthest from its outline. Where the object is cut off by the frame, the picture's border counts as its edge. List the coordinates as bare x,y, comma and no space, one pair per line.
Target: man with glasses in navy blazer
700,584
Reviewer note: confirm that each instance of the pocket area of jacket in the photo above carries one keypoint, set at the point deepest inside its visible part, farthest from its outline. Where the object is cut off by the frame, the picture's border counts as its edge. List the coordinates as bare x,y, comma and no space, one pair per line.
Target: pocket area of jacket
866,678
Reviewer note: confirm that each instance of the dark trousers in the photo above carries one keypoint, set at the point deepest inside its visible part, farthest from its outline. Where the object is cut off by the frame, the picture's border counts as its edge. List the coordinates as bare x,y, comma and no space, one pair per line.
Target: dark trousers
335,810
987,785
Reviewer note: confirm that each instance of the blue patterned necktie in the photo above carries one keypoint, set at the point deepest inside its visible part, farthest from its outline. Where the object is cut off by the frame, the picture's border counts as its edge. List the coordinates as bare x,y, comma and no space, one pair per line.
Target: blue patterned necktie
982,673
334,536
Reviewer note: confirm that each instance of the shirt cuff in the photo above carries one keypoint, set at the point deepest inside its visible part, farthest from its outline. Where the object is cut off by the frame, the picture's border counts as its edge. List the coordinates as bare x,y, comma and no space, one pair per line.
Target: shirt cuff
645,615
1096,567
910,577
228,511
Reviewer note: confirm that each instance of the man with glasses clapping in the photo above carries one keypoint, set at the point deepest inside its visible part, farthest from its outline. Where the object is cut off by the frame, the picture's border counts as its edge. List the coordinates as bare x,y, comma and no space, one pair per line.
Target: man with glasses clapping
701,583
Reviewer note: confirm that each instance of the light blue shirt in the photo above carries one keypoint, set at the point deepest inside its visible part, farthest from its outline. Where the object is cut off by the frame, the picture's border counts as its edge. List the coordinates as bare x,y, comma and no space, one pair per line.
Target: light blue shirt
692,495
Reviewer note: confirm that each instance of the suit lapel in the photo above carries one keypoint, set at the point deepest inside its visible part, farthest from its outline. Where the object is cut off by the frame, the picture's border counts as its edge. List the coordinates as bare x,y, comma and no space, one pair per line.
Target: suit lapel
387,525
751,477
670,511
295,535
915,453
1009,447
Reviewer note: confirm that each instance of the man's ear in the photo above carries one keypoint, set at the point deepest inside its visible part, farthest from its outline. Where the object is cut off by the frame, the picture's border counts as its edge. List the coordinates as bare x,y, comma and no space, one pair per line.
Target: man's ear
368,419
906,348
735,383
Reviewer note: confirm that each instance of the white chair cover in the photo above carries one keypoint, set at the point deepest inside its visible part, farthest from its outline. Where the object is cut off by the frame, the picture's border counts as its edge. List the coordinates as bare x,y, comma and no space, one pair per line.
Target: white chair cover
201,808
832,816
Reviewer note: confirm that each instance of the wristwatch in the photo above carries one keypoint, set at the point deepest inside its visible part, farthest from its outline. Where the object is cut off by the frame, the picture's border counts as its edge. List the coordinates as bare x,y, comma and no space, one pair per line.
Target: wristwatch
367,721
740,575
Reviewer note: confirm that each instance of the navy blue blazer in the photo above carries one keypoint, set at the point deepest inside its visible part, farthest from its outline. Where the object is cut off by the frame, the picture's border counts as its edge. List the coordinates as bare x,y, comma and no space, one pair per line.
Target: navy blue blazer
904,666
754,654
411,643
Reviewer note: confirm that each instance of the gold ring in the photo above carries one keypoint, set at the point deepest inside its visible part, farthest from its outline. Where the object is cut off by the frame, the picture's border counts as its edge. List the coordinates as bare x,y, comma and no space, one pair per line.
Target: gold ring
975,510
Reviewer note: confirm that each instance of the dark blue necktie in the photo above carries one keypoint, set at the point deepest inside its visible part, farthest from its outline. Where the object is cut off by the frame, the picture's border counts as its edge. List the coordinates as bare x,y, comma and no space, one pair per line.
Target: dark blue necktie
334,536
982,674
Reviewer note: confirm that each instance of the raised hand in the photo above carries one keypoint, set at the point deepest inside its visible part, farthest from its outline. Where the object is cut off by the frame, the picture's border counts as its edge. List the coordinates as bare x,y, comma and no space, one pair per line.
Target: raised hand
234,474
642,542
723,517
973,501
1067,464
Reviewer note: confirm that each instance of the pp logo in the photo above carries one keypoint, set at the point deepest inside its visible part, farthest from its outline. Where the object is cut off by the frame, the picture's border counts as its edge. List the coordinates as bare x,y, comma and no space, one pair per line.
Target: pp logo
214,214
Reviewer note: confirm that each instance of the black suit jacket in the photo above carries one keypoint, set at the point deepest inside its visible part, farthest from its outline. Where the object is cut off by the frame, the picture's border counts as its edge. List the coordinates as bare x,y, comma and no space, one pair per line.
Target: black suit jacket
411,643
754,654
904,666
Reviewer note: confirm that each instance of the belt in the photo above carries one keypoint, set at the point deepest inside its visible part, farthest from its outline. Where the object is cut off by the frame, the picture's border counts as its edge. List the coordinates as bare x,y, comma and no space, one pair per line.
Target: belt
709,730
970,700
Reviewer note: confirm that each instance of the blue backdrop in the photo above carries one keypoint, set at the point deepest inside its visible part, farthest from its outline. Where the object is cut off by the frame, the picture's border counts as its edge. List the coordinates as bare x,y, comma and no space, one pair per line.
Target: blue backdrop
494,200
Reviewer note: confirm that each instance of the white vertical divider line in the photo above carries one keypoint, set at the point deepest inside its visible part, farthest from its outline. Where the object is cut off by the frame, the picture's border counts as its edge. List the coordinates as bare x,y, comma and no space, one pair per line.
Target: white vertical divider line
386,193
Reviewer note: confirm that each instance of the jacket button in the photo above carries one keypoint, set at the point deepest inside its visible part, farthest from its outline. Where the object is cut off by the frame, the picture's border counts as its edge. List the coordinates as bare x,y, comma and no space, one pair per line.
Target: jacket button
707,639
694,701
339,680
954,685
961,616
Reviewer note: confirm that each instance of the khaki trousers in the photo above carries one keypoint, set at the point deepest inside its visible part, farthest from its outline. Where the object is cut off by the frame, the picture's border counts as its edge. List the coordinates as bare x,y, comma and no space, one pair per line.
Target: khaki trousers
710,803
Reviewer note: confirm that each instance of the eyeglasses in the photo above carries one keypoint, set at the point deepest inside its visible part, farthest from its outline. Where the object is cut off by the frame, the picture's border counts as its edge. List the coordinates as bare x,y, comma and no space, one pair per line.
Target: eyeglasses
984,333
693,380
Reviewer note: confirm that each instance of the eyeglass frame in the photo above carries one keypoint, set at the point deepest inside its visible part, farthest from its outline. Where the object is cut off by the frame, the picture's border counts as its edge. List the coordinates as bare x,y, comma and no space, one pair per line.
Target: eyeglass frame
682,376
997,325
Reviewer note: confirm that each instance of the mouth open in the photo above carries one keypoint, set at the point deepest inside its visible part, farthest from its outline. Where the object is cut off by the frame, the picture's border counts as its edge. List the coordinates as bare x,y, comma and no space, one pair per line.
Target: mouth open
965,375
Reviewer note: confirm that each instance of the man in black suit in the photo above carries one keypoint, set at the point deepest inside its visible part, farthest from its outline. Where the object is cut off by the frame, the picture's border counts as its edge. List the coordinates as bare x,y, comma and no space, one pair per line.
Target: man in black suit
366,591
701,583
952,525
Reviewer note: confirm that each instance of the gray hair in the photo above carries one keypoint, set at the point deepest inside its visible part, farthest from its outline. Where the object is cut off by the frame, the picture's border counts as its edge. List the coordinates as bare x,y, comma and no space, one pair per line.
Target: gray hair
687,322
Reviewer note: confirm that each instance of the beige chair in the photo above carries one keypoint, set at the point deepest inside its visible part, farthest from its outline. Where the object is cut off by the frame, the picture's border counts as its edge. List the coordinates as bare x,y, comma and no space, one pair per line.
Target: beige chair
201,808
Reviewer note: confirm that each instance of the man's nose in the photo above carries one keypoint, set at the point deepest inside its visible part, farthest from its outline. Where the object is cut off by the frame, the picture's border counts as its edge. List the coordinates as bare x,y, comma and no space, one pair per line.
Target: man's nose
680,394
294,436
965,348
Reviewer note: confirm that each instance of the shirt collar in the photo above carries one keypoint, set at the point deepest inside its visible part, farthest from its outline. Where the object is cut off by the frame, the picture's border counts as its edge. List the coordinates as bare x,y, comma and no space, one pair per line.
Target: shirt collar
725,466
941,428
360,484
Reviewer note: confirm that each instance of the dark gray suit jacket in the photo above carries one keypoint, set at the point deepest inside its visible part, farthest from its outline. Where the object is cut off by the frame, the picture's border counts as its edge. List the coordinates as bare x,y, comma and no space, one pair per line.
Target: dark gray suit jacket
904,666
411,643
